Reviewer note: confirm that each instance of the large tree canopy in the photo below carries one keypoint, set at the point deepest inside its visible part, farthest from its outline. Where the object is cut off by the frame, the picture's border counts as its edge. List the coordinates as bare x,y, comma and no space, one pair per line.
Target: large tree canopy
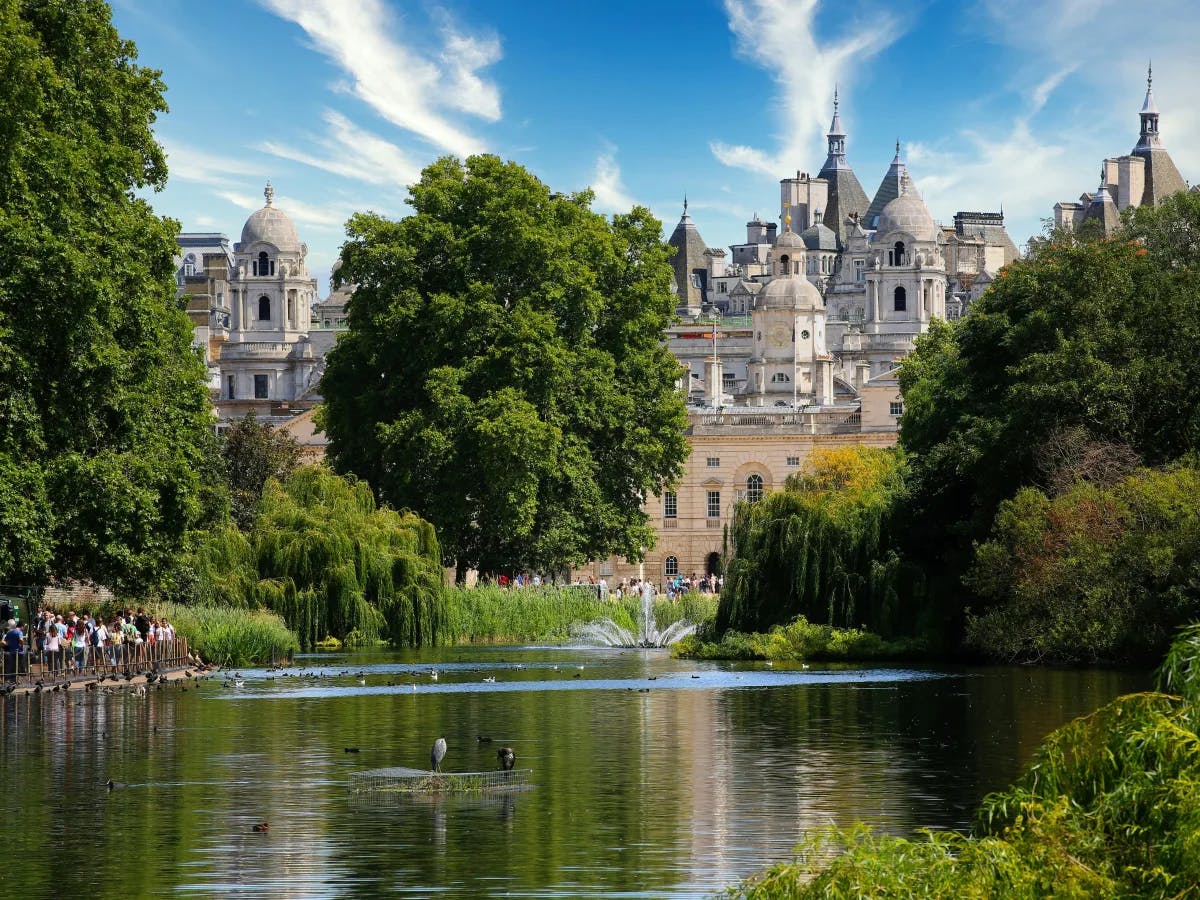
504,373
104,415
1082,350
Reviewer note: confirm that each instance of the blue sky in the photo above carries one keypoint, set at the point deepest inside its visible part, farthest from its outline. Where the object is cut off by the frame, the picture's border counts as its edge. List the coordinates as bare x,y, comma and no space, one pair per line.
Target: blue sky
342,102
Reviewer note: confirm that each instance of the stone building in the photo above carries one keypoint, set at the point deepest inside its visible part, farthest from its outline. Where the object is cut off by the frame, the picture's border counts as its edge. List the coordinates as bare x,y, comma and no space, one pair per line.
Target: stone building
790,342
1143,177
255,310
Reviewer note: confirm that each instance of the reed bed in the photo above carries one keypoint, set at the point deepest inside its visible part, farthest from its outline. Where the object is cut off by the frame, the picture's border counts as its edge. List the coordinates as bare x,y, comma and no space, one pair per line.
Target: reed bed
230,636
495,615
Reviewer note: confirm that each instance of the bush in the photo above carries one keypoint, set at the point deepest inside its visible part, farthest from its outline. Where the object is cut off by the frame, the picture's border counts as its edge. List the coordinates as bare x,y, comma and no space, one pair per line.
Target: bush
797,640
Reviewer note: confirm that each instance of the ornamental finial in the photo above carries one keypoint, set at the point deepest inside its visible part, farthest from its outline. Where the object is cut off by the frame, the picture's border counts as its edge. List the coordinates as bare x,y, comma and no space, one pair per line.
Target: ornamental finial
269,193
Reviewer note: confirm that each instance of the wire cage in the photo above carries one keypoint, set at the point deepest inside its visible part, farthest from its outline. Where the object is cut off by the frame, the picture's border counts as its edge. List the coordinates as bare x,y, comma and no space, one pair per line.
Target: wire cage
403,780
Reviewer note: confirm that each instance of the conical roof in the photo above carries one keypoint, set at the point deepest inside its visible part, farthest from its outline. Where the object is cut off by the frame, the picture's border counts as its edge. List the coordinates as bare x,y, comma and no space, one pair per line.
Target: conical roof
890,188
688,260
846,196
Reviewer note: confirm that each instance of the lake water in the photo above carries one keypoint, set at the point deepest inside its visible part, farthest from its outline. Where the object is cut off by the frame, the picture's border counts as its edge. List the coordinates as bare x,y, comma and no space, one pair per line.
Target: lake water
652,777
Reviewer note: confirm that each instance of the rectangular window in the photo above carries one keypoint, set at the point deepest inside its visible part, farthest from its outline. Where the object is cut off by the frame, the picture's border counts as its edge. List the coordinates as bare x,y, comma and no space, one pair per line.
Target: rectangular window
860,266
670,505
229,392
793,461
713,462
896,408
714,504
260,387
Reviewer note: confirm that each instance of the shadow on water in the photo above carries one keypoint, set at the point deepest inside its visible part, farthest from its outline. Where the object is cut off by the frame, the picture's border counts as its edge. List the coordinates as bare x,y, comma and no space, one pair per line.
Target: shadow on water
654,777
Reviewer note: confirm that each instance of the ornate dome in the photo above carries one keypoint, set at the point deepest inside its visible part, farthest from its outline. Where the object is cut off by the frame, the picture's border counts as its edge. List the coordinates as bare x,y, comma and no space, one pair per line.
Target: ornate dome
907,213
819,237
789,239
270,225
790,292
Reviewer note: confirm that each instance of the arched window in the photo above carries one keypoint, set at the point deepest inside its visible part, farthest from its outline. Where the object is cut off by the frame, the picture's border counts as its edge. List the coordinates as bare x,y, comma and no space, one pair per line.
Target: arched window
780,378
783,265
264,307
189,265
901,300
264,266
754,488
899,249
671,566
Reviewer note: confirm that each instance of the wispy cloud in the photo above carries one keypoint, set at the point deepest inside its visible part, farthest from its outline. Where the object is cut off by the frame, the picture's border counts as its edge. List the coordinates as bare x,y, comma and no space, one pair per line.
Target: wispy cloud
351,152
780,36
408,87
611,195
187,163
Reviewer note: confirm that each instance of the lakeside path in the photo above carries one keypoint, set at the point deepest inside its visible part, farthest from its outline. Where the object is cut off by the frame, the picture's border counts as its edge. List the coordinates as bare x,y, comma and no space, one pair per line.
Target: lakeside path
115,680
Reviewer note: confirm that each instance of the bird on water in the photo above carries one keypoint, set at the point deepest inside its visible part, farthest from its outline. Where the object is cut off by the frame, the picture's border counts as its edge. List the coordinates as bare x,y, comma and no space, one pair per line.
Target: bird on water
437,754
507,758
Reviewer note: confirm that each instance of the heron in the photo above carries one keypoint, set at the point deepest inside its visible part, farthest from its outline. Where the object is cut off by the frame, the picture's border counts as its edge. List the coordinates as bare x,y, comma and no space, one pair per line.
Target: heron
507,758
437,754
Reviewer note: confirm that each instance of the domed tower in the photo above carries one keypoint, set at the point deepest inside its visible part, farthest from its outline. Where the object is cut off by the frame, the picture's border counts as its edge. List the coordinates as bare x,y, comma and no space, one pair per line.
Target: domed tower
906,275
788,362
268,359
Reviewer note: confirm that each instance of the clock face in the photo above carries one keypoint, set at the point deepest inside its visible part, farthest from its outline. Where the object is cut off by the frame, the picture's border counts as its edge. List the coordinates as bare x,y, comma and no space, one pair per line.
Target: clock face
804,335
779,336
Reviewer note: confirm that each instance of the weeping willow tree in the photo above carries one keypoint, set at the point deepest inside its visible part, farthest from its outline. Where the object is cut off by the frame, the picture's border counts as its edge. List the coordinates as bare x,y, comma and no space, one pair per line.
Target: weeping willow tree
333,563
819,548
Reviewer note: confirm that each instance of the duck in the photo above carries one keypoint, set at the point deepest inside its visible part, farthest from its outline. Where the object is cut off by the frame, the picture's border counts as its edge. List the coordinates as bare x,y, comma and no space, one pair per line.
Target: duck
507,758
115,785
261,827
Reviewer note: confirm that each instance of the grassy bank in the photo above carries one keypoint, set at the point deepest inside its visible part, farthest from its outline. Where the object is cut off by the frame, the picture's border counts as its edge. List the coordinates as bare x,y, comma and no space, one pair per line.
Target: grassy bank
490,614
1110,807
798,640
229,636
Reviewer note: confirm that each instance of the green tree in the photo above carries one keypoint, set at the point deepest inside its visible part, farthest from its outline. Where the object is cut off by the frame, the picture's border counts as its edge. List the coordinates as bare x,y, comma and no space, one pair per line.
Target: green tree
1088,337
104,416
820,548
253,454
504,373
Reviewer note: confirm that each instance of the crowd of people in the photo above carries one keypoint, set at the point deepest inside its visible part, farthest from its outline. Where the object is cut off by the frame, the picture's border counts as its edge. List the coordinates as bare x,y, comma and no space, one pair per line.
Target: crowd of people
65,645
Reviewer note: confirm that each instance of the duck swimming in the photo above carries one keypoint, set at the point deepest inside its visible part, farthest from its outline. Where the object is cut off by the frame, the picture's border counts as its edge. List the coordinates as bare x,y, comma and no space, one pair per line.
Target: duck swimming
261,827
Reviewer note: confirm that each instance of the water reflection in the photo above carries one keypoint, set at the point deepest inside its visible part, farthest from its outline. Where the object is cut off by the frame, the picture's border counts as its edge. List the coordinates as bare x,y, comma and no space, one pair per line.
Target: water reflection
649,781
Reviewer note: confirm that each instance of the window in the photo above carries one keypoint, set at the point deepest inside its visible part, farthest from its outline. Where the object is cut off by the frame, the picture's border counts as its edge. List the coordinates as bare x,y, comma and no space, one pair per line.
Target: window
670,505
793,461
901,300
671,566
860,267
695,279
754,488
264,266
230,394
260,387
779,378
896,408
714,504
727,377
783,264
264,308
899,251
189,265
713,462
607,568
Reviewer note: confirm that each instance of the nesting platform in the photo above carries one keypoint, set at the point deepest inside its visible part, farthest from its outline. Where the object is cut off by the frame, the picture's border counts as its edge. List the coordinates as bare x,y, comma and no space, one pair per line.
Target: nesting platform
403,780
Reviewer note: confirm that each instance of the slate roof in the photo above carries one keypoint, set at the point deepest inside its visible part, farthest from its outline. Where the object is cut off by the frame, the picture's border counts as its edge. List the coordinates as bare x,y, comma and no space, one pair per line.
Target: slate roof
688,260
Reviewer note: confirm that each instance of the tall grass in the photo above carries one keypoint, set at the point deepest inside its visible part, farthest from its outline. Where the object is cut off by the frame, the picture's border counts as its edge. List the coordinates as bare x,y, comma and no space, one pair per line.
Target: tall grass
490,614
230,636
800,640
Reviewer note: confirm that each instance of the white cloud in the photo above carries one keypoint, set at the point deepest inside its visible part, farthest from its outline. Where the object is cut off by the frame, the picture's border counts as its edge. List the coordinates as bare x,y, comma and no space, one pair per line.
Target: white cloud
192,164
405,86
610,192
780,36
352,152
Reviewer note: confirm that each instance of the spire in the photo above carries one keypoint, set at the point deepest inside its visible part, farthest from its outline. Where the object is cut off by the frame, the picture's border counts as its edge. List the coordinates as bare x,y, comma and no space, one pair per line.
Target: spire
269,193
1149,139
837,140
